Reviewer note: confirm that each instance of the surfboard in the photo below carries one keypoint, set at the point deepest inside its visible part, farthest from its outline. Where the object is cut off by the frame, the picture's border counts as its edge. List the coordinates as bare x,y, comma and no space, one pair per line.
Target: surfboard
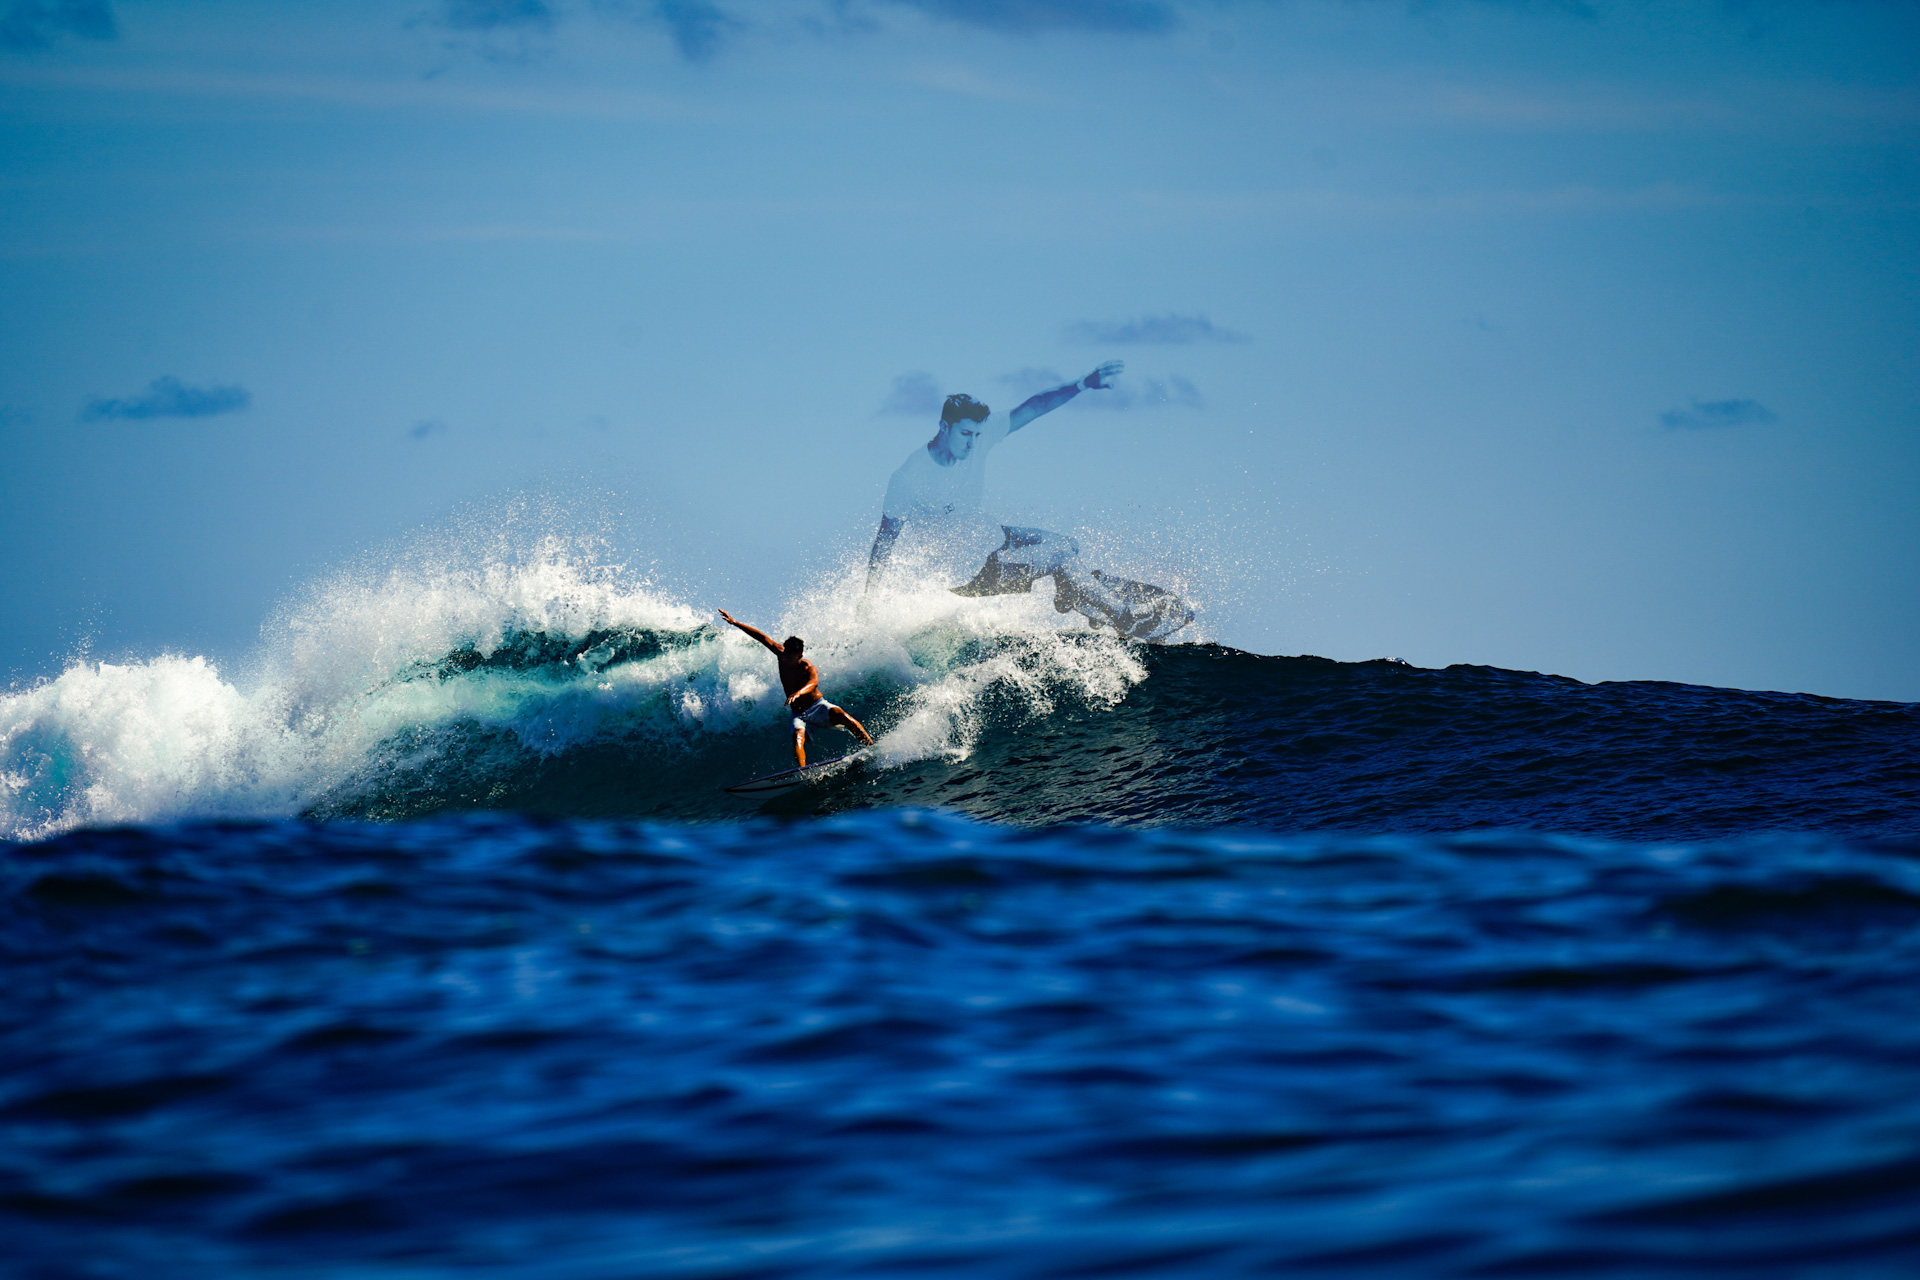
793,777
1156,612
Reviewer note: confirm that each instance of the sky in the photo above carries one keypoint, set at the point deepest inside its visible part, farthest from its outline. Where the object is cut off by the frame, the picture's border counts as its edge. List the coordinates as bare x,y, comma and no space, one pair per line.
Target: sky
1564,337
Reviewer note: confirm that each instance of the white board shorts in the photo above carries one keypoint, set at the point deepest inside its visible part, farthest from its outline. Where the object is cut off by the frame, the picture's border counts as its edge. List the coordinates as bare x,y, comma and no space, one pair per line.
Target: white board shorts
817,718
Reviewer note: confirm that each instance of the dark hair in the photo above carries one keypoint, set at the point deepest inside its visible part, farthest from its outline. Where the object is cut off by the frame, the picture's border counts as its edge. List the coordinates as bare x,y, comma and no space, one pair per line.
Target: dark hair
795,645
961,405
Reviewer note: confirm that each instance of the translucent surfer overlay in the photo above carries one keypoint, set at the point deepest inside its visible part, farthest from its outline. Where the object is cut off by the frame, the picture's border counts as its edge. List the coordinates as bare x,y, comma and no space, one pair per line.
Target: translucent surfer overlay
938,497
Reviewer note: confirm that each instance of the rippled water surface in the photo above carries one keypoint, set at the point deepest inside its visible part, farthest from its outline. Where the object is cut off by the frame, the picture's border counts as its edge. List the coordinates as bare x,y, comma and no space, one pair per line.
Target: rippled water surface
905,1043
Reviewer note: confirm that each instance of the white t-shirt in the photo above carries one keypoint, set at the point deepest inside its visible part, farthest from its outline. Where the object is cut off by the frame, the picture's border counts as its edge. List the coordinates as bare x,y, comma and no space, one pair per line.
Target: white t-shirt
945,507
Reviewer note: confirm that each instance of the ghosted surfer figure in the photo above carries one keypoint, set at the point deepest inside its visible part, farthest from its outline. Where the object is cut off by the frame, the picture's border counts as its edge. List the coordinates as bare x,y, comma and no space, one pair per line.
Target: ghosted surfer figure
801,679
941,489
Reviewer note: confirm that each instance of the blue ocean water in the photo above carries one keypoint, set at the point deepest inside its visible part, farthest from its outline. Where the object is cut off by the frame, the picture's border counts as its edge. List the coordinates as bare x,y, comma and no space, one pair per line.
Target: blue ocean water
428,944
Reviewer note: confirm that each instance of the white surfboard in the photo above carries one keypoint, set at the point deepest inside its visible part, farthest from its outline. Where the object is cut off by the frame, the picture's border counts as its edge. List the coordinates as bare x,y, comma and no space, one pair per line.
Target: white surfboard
794,777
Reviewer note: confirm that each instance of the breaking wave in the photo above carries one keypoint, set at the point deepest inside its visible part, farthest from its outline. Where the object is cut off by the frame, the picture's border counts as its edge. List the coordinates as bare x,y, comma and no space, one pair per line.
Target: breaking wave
543,679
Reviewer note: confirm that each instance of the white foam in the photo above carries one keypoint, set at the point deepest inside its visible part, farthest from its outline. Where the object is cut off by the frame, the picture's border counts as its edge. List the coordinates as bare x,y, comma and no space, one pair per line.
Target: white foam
950,651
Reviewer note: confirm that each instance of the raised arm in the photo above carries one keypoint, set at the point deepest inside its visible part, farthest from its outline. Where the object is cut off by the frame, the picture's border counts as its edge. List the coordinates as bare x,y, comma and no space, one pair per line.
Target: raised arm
877,558
1047,401
755,632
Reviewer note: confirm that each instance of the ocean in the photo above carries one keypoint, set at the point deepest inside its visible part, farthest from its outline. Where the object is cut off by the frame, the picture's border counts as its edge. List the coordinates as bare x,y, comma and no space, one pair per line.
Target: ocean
425,942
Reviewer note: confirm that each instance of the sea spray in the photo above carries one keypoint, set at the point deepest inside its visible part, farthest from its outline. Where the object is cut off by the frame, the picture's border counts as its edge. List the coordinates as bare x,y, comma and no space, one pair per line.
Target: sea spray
110,743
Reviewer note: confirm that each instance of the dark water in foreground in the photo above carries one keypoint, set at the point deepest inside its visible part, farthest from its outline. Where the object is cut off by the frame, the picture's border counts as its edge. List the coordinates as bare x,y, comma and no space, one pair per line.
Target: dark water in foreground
894,1043
843,1034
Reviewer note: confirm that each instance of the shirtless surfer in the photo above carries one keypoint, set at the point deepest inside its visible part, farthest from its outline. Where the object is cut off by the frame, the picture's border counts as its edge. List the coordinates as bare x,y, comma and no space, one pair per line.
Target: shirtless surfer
801,679
940,490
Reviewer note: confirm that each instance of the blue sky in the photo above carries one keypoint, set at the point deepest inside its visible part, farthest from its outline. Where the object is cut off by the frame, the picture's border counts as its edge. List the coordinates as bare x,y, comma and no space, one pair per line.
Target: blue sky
1562,337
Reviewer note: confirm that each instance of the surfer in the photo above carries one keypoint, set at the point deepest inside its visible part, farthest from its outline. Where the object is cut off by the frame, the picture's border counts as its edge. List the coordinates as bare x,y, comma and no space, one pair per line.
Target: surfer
801,679
942,487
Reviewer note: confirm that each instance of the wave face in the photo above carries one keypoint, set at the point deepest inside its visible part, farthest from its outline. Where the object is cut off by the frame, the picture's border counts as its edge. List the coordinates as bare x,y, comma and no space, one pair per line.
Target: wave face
901,1043
548,684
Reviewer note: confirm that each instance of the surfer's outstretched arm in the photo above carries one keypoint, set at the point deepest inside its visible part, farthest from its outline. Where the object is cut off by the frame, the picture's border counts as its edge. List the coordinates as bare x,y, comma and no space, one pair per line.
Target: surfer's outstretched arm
1047,401
755,632
882,551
